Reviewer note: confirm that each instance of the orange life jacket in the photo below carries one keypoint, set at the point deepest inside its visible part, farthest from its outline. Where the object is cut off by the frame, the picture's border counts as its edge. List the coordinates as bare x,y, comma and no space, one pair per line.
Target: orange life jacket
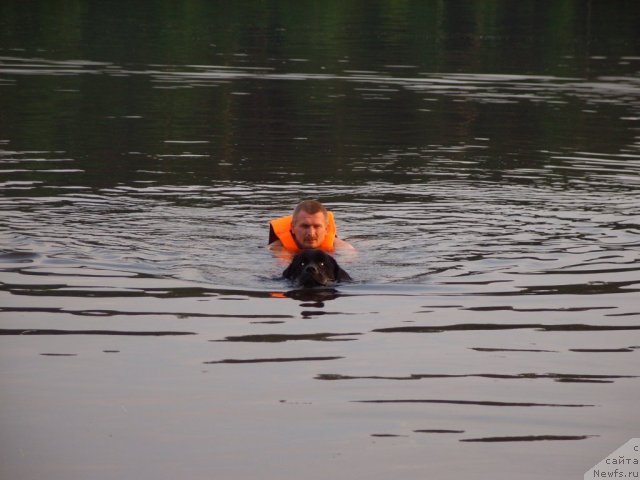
280,229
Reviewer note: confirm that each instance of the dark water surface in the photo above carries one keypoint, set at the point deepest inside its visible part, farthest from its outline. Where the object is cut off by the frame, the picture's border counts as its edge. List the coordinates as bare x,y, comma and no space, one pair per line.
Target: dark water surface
483,158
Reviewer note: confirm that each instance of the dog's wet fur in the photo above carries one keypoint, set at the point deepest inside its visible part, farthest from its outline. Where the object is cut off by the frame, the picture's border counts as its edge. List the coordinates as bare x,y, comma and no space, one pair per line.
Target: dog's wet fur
315,268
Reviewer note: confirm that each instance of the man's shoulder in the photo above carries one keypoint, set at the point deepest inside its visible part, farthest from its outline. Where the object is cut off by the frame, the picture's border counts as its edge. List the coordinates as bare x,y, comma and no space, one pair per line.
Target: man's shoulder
276,245
342,244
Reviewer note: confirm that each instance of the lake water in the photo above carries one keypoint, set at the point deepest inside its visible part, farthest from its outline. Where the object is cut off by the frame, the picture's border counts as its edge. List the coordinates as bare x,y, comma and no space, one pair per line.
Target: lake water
482,157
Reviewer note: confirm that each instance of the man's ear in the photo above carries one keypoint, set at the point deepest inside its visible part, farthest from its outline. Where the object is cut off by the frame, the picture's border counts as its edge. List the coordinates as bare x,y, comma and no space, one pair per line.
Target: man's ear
294,237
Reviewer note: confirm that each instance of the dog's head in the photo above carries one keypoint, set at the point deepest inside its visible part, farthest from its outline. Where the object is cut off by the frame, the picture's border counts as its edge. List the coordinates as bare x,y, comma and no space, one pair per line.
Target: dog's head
315,268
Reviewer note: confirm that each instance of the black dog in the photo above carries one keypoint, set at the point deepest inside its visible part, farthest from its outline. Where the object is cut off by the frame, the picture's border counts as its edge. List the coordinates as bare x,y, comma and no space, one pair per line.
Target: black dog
315,268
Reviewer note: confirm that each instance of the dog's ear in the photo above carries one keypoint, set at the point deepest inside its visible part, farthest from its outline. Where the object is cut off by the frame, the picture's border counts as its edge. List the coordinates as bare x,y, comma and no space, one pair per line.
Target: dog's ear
289,272
343,276
338,273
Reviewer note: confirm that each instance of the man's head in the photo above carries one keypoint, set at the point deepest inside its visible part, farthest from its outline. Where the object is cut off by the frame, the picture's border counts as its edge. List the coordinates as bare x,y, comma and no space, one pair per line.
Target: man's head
309,224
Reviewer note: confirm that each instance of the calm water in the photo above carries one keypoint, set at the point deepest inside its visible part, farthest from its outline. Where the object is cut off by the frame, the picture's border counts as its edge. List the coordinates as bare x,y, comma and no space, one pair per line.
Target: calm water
483,157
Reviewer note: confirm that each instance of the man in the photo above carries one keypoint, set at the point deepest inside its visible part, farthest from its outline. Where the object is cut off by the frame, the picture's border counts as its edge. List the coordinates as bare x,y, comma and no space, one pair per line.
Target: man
310,226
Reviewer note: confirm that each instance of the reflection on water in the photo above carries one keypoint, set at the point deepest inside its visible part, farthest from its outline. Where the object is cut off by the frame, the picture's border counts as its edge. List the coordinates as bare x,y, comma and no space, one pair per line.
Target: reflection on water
483,158
528,438
558,377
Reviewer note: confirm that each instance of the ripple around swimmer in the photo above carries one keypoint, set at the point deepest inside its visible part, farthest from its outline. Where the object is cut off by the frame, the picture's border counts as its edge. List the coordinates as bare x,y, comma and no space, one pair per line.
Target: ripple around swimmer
484,403
438,430
558,377
569,327
530,350
279,338
514,438
271,360
113,313
529,438
452,239
43,331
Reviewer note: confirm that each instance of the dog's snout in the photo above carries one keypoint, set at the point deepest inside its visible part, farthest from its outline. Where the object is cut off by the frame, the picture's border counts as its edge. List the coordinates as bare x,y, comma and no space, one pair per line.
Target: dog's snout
311,269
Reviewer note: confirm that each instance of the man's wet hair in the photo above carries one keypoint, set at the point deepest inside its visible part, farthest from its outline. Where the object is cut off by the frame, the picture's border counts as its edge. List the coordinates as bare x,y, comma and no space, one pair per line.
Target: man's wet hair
311,207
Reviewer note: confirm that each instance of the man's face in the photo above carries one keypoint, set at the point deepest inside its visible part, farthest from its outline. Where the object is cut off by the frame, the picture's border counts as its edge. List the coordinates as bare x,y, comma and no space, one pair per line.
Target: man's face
309,229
